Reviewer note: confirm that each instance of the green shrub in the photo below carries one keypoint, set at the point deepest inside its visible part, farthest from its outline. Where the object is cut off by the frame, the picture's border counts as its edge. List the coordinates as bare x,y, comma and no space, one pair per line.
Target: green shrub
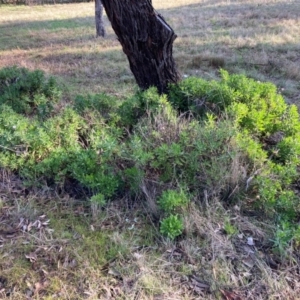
14,129
171,226
213,138
267,132
172,150
98,199
28,92
98,176
62,148
143,103
133,177
171,200
254,106
284,234
105,105
52,169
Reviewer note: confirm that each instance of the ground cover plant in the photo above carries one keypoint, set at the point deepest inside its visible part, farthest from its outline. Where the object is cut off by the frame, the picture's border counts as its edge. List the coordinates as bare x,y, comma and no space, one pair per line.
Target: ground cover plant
111,193
170,157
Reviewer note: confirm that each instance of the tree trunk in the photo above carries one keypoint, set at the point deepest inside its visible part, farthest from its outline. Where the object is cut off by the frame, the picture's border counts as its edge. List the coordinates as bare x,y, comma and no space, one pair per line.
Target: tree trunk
100,30
147,40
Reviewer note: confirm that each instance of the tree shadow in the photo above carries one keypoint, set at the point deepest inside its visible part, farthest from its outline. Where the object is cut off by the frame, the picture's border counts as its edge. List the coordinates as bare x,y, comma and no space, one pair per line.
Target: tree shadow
38,34
220,17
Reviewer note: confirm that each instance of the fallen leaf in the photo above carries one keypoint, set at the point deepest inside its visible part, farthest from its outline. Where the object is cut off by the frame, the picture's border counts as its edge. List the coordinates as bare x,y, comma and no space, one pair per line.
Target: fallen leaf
230,295
73,263
112,271
248,261
38,287
248,250
31,256
137,256
198,284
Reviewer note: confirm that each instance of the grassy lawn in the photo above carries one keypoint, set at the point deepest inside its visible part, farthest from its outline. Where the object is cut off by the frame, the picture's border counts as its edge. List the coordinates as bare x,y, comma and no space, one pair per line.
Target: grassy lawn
55,246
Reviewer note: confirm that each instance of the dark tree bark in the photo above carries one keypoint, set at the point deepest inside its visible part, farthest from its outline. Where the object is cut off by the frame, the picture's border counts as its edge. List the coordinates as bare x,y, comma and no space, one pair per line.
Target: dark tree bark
100,30
147,40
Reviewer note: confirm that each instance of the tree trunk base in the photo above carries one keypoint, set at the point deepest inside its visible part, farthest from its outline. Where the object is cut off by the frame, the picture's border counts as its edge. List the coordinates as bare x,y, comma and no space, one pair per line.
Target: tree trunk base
147,40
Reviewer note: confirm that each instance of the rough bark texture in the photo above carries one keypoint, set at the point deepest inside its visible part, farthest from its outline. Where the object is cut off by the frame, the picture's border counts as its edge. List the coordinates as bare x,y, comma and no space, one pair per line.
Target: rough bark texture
100,30
147,40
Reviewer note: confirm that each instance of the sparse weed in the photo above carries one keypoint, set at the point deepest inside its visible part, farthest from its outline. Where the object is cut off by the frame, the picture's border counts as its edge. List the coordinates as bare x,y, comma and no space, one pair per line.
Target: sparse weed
97,203
171,226
171,200
229,228
283,236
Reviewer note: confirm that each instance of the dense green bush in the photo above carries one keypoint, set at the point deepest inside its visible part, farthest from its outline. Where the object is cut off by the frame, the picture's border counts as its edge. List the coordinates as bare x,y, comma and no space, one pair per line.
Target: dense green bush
28,92
267,131
233,139
143,103
106,106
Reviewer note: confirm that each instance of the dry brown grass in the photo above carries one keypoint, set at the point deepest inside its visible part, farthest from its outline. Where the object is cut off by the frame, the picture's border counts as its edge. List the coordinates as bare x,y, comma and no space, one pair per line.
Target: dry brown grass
120,255
258,38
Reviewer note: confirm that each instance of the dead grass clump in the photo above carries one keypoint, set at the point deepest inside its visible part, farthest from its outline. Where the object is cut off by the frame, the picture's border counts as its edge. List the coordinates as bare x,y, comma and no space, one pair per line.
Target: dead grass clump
239,264
292,71
222,252
214,61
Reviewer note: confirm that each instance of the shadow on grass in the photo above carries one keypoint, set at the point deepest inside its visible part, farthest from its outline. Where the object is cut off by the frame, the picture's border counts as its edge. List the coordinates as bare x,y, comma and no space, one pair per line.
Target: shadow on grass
35,34
201,28
284,8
